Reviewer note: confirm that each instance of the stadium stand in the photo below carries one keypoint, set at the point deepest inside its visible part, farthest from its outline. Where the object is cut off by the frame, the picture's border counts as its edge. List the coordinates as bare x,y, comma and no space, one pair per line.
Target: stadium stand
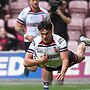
89,8
11,23
87,27
72,45
16,7
75,29
78,9
45,5
1,23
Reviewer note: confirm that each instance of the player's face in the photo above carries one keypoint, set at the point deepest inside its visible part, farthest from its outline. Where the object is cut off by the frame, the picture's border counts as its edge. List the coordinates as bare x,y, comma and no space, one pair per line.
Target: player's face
46,36
34,3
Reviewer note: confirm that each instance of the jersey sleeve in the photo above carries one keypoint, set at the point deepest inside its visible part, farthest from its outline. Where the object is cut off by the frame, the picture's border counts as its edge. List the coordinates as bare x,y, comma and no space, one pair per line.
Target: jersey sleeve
62,45
32,47
22,17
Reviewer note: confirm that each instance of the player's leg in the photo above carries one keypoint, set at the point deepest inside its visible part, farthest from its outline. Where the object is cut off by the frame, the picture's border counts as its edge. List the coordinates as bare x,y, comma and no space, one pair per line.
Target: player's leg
48,74
46,78
85,40
82,47
51,78
26,72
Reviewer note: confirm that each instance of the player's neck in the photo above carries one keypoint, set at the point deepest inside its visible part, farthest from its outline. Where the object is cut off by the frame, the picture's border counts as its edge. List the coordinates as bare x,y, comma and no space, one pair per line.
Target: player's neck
50,41
35,9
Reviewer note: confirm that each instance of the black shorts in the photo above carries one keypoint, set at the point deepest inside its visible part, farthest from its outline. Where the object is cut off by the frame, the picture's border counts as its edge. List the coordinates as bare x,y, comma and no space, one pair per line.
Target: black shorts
72,60
26,45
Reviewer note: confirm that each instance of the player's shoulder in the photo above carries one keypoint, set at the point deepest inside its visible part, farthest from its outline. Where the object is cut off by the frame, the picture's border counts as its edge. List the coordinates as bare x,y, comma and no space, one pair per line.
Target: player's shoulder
58,38
55,36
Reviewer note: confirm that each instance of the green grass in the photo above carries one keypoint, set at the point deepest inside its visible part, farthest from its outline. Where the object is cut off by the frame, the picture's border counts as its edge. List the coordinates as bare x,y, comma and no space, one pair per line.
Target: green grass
40,87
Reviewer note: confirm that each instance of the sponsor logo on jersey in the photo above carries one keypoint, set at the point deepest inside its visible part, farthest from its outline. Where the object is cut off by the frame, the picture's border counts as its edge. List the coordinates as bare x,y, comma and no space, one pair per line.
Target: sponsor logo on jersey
55,49
53,56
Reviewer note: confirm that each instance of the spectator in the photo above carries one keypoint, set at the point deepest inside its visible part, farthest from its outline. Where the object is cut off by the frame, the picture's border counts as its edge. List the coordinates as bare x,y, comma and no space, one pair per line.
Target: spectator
60,18
4,9
5,15
7,41
11,30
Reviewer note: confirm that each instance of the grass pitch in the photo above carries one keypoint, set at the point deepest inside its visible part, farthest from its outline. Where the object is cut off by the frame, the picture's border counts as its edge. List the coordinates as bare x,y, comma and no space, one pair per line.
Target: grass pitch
40,87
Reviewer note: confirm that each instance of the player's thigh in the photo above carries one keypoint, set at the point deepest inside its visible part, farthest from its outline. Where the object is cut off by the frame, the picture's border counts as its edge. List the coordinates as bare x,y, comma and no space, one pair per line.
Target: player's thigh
73,58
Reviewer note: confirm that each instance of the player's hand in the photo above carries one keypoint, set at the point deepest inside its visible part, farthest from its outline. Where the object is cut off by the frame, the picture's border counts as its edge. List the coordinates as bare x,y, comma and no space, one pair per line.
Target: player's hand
30,38
44,58
60,76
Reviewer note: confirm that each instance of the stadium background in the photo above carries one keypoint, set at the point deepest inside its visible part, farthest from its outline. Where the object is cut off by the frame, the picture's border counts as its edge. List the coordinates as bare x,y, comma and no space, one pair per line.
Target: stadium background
11,67
12,76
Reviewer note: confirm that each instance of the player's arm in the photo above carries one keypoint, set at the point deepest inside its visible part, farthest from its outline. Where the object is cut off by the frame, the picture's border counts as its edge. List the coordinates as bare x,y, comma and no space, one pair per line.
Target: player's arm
19,28
64,58
29,61
20,22
65,63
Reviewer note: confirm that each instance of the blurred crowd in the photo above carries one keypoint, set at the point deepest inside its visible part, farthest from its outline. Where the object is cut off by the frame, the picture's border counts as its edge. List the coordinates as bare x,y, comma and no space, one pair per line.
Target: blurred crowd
9,38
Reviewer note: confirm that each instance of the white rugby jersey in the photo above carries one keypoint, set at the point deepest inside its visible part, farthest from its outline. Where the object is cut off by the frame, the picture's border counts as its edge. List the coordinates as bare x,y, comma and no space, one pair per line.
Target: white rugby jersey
31,19
37,47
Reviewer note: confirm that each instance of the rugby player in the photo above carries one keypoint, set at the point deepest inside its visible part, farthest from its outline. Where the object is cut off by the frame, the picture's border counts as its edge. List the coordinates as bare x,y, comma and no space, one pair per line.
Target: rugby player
51,51
27,23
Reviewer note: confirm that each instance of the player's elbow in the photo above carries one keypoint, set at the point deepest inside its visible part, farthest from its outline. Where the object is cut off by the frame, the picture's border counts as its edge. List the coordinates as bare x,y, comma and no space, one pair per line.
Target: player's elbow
17,26
25,63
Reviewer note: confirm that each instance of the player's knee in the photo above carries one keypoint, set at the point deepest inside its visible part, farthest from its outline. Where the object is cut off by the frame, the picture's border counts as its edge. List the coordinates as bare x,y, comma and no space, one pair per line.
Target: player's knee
81,59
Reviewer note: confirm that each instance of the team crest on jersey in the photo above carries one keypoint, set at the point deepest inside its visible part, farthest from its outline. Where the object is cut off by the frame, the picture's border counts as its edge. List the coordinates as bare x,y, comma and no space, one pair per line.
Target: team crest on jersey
42,17
40,50
55,49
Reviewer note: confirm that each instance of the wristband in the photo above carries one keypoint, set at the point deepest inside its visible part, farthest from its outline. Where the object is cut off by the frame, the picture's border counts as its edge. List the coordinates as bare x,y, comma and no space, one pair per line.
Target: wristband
25,35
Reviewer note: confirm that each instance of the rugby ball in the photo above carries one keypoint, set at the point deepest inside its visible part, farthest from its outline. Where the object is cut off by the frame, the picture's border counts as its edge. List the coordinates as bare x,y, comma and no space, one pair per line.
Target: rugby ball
36,57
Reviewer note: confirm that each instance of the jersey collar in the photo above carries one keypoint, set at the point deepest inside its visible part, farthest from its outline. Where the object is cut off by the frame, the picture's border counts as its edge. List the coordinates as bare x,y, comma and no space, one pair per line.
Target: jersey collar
31,10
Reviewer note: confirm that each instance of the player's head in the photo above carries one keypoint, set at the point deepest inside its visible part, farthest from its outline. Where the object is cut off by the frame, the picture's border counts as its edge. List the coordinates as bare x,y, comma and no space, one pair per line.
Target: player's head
45,28
34,4
45,24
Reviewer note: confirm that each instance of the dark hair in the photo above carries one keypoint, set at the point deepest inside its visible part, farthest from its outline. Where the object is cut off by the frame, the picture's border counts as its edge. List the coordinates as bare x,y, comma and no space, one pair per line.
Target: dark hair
55,4
45,25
